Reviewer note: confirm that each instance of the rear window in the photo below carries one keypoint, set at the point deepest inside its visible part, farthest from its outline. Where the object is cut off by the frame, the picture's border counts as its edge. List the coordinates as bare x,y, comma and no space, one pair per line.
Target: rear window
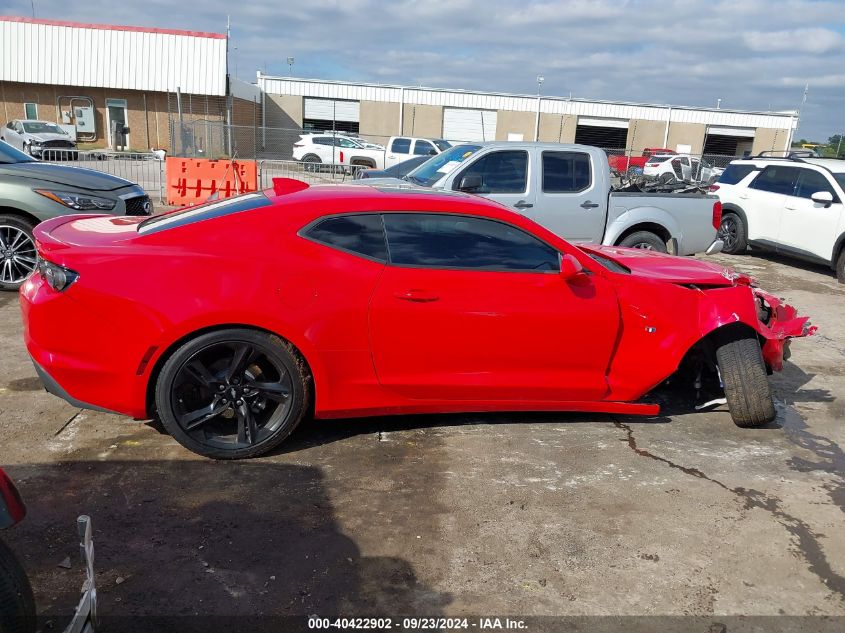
206,211
359,234
734,173
658,159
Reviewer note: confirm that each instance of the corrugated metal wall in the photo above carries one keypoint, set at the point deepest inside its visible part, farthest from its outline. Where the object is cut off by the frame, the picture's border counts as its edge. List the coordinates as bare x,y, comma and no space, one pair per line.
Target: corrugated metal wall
90,56
521,103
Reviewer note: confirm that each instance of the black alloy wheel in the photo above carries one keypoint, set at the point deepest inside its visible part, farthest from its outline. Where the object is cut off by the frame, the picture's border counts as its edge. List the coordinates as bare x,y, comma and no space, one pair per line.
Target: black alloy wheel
232,394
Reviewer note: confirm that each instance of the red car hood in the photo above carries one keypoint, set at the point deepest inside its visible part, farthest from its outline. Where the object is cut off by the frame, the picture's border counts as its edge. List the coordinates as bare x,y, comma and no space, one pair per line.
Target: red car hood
669,268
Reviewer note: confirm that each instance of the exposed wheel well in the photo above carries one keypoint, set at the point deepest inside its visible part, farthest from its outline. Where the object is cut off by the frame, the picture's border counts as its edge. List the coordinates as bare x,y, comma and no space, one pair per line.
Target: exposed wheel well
154,374
659,230
19,213
363,162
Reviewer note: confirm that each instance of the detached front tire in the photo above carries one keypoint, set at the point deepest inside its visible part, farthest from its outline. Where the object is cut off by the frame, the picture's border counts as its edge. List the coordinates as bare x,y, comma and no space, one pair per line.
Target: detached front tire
233,394
17,606
746,382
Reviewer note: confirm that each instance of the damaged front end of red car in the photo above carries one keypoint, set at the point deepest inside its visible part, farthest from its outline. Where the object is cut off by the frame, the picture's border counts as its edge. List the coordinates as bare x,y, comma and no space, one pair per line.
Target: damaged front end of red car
778,323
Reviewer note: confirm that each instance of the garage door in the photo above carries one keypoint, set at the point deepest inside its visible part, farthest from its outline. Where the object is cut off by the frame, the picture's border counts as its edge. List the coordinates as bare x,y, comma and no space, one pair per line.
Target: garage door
327,114
606,133
463,124
727,141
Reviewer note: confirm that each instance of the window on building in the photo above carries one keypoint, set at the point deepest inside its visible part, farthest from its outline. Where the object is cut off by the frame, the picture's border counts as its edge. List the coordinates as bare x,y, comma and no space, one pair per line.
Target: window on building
30,110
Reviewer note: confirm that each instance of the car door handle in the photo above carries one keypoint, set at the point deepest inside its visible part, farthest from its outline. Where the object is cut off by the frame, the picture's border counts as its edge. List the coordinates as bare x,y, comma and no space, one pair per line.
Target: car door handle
417,296
743,197
790,208
522,204
589,205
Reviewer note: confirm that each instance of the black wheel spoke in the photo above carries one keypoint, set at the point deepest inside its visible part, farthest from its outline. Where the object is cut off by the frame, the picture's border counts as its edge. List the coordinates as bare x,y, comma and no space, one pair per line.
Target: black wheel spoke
278,391
247,429
243,356
194,419
197,370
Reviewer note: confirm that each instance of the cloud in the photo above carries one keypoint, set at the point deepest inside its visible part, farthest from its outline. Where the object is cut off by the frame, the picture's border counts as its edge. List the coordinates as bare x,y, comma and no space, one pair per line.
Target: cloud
818,40
753,54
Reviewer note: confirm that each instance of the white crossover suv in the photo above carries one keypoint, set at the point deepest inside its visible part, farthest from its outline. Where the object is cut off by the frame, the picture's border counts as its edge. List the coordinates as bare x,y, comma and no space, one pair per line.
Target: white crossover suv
792,205
334,149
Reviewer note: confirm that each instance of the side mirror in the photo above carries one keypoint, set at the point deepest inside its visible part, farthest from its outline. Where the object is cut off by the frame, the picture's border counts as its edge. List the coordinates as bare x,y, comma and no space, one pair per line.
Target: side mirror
432,152
822,197
570,267
470,183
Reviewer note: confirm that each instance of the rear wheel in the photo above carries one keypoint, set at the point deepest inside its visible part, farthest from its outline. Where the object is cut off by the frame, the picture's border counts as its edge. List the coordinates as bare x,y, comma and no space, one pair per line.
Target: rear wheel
17,606
746,384
732,233
233,393
645,240
312,161
17,251
840,267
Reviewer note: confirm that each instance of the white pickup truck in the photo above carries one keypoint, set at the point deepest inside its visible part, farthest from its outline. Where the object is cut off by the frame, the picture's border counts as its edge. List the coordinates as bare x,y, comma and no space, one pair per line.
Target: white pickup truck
401,148
567,189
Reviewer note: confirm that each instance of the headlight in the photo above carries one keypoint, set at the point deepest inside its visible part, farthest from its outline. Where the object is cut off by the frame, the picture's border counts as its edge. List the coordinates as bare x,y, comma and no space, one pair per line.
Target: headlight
78,201
57,277
36,142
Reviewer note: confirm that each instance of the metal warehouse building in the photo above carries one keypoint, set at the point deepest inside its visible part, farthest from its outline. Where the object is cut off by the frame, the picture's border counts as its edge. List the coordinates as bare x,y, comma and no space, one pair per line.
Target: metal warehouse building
379,111
91,77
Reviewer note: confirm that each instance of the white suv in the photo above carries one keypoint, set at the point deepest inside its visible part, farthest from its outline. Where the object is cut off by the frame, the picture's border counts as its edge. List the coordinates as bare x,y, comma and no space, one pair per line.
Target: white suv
334,149
792,205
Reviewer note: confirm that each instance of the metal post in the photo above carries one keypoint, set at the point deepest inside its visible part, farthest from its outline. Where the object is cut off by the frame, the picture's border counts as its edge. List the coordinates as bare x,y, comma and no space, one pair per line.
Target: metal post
402,111
181,120
262,87
666,133
537,121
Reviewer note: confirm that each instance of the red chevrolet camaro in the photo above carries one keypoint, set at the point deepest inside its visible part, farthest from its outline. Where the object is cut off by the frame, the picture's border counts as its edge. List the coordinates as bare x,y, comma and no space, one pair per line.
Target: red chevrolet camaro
234,320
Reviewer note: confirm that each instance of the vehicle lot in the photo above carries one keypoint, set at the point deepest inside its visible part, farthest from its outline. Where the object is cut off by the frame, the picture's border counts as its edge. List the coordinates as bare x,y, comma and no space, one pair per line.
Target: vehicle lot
553,514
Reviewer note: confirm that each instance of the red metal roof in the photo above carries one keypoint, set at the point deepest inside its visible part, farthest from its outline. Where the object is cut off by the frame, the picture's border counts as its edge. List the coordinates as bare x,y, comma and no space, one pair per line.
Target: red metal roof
112,27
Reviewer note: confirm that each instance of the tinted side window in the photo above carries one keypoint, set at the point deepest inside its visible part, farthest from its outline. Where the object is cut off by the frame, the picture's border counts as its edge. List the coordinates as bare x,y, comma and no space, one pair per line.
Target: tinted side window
810,182
776,179
566,172
423,148
734,173
401,146
500,172
322,140
362,234
455,241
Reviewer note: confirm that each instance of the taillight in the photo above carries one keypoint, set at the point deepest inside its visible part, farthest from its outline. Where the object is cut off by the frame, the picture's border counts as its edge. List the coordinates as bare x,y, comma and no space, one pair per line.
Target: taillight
713,188
717,214
341,157
57,277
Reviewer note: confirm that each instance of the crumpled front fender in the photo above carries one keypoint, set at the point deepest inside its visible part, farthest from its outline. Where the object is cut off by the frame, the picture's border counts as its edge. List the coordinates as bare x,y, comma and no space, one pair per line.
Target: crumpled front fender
783,325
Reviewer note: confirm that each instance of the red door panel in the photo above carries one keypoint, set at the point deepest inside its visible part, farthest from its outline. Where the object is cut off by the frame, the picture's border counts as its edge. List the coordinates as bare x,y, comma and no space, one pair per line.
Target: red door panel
469,335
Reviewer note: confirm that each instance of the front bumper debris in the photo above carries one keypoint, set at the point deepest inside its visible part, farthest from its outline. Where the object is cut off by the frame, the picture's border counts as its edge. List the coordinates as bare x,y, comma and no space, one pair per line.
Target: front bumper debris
779,324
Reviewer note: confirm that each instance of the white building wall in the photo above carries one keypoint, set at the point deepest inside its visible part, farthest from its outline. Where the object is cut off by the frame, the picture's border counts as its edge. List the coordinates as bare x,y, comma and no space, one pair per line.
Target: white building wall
67,54
523,103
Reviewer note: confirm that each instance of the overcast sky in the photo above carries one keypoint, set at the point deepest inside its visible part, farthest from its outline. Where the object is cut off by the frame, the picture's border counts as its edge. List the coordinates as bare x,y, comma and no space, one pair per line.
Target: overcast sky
753,54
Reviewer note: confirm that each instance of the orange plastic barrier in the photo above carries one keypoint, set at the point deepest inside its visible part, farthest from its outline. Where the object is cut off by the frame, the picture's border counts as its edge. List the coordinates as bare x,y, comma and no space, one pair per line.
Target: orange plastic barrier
193,180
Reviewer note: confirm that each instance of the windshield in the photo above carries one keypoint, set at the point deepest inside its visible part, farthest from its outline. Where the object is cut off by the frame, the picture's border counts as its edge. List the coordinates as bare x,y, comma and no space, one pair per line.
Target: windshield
10,155
441,144
433,170
41,127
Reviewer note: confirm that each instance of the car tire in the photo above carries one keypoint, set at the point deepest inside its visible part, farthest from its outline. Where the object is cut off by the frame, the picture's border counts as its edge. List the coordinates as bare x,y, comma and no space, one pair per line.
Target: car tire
270,361
311,160
12,227
745,381
840,267
645,240
17,605
732,232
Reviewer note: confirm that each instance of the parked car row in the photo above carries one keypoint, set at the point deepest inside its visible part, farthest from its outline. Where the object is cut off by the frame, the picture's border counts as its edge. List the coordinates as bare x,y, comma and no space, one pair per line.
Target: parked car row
340,149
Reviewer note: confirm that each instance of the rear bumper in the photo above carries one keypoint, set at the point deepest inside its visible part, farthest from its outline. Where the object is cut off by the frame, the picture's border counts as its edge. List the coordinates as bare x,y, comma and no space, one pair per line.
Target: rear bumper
56,389
78,353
